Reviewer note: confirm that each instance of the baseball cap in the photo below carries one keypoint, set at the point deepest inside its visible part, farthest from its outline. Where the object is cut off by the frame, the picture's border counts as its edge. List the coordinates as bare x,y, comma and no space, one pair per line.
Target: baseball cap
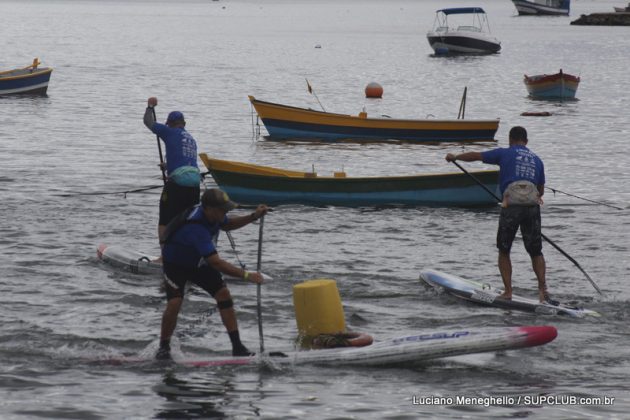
215,197
175,116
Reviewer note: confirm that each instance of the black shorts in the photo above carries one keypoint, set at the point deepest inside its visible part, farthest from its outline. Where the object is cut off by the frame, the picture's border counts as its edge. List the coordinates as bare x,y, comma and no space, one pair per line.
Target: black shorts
528,219
206,277
175,199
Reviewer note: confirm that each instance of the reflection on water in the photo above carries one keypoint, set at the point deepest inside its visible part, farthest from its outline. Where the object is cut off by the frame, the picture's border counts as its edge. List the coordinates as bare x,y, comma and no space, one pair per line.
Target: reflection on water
201,398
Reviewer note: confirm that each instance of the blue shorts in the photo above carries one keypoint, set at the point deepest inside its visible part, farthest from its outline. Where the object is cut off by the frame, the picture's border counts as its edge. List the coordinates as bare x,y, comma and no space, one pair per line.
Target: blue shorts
175,278
528,219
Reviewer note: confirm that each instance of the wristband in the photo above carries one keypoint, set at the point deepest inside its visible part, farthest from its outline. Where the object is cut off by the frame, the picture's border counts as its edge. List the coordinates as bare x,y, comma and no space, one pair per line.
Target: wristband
253,216
245,275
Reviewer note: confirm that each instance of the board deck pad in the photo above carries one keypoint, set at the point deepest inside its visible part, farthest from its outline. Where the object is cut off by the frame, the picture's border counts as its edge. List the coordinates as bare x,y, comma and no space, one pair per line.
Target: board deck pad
487,295
414,348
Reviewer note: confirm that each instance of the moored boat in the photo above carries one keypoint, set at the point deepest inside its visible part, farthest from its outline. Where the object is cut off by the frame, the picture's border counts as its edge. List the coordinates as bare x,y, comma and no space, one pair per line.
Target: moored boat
252,184
552,86
292,123
542,7
28,80
473,37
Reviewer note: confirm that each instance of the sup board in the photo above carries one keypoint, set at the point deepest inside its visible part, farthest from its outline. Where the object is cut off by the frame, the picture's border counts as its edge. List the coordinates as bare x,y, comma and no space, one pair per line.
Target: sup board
128,259
407,349
138,262
487,295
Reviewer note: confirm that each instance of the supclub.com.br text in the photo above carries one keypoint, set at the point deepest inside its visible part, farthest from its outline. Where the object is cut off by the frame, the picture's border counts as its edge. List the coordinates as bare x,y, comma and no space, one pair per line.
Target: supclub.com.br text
535,400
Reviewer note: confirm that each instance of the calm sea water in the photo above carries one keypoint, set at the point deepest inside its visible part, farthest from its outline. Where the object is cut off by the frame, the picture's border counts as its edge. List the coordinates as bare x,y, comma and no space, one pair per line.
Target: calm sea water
62,309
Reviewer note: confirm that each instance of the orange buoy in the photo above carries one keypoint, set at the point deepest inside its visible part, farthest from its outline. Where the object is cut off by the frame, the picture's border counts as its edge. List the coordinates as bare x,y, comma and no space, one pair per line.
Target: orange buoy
373,90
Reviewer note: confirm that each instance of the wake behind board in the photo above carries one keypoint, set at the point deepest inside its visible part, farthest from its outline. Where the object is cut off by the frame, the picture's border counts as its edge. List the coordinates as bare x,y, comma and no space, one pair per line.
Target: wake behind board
400,350
487,295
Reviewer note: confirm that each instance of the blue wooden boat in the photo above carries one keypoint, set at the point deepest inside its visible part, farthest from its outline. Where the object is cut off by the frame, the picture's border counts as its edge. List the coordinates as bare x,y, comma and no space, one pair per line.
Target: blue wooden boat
291,123
31,80
254,184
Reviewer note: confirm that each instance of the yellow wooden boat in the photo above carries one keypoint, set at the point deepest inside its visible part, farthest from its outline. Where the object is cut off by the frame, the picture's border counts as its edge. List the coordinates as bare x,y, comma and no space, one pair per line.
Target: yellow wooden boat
291,123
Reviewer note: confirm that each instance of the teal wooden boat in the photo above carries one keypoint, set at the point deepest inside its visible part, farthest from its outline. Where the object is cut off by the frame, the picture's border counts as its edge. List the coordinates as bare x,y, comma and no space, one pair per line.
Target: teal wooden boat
254,184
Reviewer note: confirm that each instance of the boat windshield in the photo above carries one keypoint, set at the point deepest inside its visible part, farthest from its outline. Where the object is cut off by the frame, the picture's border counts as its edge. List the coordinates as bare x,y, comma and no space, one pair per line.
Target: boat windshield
472,19
461,10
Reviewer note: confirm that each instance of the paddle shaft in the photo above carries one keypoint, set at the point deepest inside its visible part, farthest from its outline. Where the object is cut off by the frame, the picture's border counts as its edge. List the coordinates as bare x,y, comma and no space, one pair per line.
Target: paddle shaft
582,198
311,91
258,289
542,234
159,150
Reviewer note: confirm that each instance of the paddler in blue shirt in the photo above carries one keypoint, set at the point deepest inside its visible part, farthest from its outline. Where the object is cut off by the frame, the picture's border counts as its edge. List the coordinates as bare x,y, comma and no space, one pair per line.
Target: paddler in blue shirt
522,185
190,254
181,189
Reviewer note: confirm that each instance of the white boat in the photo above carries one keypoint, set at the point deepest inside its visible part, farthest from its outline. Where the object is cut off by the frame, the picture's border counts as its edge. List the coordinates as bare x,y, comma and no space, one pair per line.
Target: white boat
542,7
469,34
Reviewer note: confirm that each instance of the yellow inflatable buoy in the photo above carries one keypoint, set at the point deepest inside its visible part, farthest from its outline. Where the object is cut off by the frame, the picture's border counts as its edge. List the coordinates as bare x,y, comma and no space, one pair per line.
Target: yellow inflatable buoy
373,90
318,308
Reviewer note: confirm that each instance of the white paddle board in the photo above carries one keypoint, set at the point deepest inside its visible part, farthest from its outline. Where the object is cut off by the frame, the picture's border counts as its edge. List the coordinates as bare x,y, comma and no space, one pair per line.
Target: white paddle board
138,262
487,295
128,259
413,348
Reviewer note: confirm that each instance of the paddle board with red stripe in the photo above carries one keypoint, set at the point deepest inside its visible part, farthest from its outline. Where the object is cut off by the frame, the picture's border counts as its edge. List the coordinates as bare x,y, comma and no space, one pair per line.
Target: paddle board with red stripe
407,349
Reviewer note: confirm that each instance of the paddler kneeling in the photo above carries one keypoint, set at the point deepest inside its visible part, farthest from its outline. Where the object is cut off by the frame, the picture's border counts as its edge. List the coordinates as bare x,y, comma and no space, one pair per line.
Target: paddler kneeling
190,254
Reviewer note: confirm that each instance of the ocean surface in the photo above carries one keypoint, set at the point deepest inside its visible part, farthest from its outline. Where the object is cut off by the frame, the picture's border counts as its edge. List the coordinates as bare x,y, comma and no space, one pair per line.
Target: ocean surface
66,155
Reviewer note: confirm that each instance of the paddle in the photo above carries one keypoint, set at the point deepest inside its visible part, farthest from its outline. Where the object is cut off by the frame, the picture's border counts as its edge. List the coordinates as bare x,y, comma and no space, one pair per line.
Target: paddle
124,193
462,105
159,149
258,291
543,235
582,198
312,92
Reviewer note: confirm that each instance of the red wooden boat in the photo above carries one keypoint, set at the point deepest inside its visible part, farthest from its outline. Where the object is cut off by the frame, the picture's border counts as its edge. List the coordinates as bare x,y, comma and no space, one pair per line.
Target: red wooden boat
559,86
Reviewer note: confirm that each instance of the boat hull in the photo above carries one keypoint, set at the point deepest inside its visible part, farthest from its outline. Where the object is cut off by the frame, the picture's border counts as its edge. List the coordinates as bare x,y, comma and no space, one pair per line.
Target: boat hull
555,86
292,123
529,8
451,189
462,43
24,81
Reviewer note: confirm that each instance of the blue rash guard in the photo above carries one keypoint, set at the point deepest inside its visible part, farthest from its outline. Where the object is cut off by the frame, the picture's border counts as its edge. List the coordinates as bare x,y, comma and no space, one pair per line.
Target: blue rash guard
193,242
516,163
181,147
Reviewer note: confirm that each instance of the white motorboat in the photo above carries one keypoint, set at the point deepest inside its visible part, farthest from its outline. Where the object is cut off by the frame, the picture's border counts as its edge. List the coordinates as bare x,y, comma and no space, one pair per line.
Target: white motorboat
465,34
